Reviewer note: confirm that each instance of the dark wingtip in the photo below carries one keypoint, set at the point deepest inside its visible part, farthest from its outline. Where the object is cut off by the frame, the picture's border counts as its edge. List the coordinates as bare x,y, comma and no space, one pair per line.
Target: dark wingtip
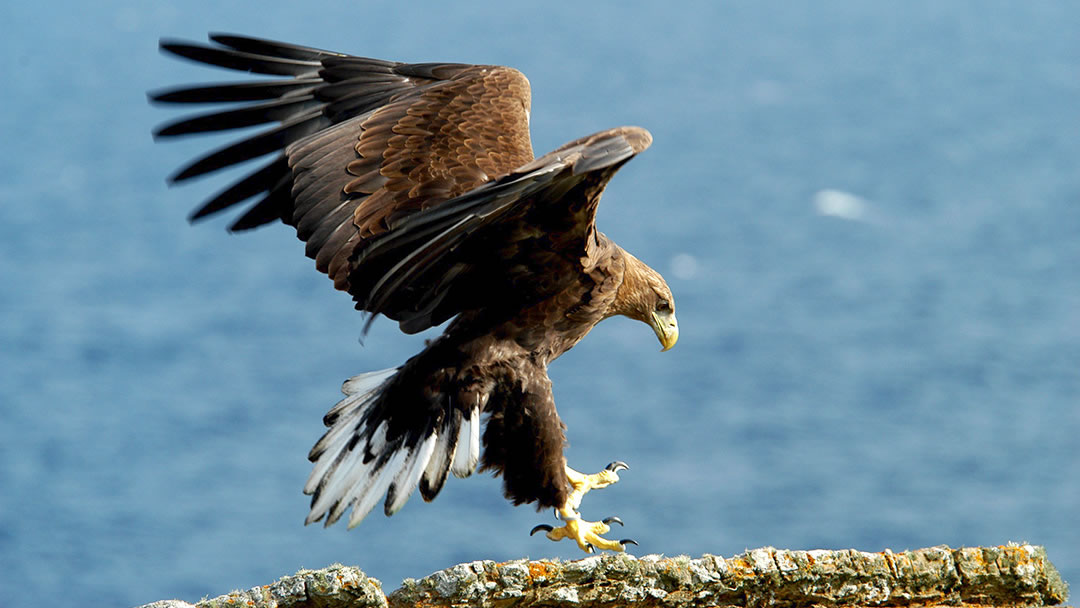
199,215
174,46
188,171
156,95
180,176
169,130
222,37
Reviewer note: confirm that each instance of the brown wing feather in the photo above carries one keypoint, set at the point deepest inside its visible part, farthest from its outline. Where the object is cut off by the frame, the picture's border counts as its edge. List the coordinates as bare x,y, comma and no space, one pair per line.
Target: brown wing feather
354,180
447,140
505,244
413,185
365,142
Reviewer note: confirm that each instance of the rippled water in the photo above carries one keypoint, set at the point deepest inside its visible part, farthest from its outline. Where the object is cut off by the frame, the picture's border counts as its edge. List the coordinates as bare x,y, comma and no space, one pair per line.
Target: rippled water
868,215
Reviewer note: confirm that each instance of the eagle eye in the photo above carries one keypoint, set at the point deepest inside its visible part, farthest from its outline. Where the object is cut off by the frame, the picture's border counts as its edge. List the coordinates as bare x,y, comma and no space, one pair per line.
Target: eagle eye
663,306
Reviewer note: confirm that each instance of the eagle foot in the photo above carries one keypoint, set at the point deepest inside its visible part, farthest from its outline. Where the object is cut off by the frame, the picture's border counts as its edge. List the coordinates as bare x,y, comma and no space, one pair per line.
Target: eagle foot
587,534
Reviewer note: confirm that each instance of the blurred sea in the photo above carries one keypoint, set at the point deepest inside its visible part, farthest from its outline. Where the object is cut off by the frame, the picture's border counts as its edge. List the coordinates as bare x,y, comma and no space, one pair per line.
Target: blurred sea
867,212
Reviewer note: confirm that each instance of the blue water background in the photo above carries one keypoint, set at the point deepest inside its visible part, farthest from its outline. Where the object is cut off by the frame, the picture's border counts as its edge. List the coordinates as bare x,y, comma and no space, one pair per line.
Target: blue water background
868,213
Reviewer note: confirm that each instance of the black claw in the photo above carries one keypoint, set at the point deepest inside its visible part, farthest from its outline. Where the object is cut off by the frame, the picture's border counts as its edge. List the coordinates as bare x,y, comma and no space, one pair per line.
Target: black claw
557,515
617,466
544,527
589,548
628,541
608,520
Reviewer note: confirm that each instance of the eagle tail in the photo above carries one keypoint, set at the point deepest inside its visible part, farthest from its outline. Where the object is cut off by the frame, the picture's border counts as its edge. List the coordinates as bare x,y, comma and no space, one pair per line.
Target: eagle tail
359,459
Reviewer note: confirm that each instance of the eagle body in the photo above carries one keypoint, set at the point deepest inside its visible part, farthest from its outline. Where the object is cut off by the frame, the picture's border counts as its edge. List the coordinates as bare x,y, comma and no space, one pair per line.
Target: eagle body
415,189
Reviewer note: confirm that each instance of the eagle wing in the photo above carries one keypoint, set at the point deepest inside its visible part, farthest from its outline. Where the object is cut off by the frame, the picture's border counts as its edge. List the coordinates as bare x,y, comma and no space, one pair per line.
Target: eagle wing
413,185
508,243
358,141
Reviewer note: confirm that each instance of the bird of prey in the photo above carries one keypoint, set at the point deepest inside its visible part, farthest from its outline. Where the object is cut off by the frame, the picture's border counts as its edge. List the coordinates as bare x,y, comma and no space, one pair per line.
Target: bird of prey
415,189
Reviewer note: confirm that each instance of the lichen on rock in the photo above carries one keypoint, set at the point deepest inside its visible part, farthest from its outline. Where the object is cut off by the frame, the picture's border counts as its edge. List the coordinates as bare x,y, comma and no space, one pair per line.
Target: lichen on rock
1012,575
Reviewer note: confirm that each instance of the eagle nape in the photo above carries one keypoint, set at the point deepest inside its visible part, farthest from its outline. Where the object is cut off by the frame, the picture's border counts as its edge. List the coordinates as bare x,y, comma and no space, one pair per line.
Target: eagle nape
587,534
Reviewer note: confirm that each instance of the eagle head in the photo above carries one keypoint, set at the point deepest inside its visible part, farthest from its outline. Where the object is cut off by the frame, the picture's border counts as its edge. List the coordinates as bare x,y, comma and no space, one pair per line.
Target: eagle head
645,296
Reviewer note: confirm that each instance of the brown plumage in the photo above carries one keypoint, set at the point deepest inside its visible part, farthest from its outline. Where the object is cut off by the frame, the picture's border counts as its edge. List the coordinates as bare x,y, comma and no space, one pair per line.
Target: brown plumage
415,189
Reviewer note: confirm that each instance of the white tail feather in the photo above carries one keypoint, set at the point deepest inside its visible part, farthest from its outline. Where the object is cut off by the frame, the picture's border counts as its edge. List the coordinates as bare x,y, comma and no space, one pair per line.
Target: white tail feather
439,464
366,382
327,449
467,453
409,475
347,474
339,472
395,465
377,444
374,487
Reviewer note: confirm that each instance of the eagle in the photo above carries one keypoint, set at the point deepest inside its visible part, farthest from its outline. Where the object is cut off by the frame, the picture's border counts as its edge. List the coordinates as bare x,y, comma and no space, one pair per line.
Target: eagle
415,189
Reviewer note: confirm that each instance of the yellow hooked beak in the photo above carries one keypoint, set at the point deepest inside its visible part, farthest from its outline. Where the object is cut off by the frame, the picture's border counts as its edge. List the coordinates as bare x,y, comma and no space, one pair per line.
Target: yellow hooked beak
666,327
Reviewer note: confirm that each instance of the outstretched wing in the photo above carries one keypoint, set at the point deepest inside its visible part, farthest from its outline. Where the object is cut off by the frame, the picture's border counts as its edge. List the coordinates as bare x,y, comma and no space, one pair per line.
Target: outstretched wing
358,142
413,185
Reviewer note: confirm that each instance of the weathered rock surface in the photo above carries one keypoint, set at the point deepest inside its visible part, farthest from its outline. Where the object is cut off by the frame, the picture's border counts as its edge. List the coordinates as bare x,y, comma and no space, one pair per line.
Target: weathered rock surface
1013,575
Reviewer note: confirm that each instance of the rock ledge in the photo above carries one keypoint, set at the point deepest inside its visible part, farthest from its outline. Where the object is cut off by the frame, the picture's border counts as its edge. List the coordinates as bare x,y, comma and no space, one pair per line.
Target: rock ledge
1012,575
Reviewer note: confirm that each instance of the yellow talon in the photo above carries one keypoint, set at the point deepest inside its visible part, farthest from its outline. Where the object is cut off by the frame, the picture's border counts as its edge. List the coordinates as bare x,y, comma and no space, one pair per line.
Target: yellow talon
587,534
582,483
